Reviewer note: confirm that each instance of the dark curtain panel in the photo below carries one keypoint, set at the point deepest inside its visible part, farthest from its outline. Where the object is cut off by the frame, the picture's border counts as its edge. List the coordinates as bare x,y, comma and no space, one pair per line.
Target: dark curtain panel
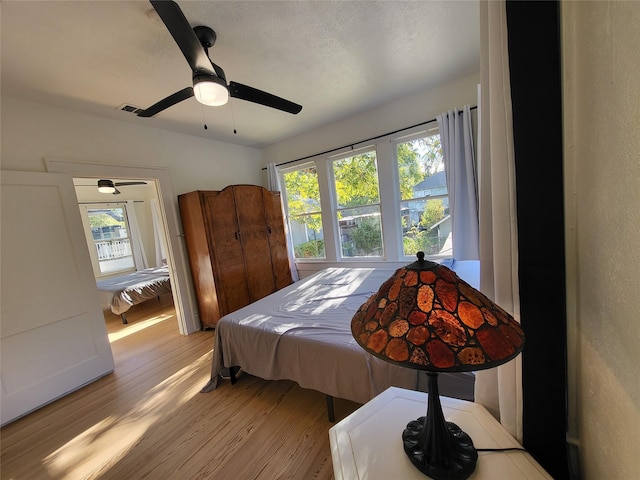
535,69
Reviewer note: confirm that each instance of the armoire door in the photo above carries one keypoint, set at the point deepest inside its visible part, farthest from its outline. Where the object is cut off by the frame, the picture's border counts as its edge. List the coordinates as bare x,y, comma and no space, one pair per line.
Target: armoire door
277,239
254,233
54,337
224,237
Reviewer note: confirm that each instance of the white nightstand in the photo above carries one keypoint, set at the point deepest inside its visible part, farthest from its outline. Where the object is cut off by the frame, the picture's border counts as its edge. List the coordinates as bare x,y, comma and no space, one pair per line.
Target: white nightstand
368,443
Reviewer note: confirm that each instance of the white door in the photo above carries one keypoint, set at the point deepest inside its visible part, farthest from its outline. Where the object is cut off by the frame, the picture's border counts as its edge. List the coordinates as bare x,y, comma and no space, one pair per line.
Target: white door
52,331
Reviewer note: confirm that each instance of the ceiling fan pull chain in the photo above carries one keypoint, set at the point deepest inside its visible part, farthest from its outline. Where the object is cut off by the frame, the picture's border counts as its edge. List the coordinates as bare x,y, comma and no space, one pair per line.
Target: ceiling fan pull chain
233,118
204,120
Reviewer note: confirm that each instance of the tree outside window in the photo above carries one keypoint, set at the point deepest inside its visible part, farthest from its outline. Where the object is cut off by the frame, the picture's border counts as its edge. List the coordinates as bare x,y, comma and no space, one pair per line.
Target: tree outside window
426,223
304,212
358,205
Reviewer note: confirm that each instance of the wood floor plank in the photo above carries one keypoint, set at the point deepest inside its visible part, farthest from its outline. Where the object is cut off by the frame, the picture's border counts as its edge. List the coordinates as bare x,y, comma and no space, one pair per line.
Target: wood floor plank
148,419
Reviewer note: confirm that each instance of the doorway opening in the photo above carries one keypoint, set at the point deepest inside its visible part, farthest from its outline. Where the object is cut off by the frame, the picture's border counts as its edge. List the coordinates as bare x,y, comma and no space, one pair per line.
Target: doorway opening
127,244
159,180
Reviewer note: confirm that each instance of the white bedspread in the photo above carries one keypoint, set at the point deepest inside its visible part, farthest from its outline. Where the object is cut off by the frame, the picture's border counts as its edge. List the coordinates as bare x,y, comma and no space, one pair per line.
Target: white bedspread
122,292
303,333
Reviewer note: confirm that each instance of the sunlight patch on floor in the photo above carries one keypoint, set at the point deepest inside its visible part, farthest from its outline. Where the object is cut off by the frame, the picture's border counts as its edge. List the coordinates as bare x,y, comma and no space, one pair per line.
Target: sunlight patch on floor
91,453
138,326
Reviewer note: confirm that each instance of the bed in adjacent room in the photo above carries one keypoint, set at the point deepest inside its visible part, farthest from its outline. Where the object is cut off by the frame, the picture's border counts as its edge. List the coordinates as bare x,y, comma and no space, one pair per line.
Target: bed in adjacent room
122,292
303,333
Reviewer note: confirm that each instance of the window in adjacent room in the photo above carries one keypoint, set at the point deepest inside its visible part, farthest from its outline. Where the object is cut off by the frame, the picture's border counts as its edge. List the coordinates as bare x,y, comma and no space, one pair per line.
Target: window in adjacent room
110,235
304,211
357,196
424,202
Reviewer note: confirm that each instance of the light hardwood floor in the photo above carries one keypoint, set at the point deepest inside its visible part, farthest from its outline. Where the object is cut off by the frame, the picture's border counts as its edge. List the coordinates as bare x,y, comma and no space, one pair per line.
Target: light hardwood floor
148,420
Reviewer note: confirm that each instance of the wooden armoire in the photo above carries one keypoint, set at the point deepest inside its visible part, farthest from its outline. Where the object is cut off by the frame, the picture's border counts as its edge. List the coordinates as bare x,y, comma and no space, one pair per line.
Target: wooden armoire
237,247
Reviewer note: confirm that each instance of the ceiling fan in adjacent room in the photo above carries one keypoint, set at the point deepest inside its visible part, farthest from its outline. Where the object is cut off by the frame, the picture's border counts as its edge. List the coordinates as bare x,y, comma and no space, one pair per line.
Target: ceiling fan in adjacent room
108,186
209,81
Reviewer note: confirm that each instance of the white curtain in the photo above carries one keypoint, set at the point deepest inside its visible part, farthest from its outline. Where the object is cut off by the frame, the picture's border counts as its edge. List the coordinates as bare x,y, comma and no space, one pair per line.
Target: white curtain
137,249
460,168
273,184
499,389
158,234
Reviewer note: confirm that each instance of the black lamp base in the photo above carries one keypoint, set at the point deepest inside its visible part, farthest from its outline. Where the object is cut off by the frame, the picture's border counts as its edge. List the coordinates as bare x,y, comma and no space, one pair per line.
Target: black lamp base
439,449
458,467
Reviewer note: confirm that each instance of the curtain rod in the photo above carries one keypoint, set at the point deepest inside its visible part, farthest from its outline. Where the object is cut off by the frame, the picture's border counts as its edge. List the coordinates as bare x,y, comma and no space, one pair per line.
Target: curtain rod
362,141
117,202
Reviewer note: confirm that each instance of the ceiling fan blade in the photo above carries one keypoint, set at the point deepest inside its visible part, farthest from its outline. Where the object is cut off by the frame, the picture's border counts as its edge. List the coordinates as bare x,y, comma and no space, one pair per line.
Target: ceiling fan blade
219,72
119,184
181,31
250,94
167,102
117,192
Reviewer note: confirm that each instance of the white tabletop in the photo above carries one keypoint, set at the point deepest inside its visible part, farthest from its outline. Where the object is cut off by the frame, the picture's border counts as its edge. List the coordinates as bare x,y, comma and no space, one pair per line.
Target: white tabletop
368,443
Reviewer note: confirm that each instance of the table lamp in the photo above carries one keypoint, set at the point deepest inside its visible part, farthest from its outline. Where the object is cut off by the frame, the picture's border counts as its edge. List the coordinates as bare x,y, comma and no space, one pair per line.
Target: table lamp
425,317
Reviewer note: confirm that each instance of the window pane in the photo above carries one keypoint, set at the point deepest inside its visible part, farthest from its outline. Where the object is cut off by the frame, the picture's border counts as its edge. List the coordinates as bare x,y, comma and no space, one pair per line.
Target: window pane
358,201
426,227
306,232
305,217
426,223
356,180
360,232
111,238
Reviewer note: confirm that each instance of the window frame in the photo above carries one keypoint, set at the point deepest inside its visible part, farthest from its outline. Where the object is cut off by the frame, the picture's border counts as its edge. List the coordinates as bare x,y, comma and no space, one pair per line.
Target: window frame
408,137
285,206
335,208
390,200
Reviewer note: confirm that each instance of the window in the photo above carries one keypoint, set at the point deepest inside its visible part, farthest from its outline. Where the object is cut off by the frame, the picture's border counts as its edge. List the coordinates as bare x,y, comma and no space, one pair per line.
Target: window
109,230
424,204
304,212
358,205
382,202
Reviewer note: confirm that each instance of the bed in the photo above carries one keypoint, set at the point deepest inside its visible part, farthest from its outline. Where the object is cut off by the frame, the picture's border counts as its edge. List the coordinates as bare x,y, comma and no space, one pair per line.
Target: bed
122,292
303,333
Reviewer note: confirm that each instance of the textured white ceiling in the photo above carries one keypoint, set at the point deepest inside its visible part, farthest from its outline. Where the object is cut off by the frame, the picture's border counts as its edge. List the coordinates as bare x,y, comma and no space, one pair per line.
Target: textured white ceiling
335,58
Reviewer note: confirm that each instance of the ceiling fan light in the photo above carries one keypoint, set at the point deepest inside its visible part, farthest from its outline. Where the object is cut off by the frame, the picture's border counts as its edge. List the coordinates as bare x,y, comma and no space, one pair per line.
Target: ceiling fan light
210,90
106,186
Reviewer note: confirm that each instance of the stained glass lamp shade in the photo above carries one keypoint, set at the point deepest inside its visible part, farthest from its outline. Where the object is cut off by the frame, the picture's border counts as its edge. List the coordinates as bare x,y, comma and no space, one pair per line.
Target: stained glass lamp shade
427,318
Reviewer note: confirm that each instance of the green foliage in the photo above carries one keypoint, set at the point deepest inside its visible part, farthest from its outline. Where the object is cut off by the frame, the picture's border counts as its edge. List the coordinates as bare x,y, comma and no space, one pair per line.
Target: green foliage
367,238
420,240
311,249
408,169
417,159
303,196
102,220
356,180
432,214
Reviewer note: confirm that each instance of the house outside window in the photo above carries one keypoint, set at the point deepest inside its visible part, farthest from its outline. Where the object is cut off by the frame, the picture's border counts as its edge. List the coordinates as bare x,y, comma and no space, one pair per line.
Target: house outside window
304,212
357,200
424,201
108,231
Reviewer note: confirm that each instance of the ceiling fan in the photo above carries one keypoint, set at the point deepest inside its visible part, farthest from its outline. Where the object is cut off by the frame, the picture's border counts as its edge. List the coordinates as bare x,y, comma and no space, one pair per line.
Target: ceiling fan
108,186
209,81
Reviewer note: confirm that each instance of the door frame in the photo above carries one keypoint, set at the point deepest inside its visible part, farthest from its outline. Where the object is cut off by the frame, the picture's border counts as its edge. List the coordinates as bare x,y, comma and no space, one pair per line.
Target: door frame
182,289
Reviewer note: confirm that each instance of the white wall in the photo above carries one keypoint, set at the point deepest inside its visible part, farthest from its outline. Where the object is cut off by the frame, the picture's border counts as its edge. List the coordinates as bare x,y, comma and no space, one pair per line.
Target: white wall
392,116
32,132
602,164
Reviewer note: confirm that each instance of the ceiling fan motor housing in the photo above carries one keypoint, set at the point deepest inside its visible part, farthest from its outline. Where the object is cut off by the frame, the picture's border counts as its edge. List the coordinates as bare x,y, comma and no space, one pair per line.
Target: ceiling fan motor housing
206,36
